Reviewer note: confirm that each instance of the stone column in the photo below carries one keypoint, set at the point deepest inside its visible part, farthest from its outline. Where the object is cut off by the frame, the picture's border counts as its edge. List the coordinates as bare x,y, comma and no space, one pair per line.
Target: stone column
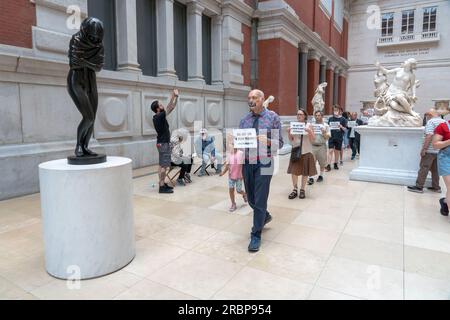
216,35
336,87
194,39
303,76
166,59
329,91
127,59
323,69
313,77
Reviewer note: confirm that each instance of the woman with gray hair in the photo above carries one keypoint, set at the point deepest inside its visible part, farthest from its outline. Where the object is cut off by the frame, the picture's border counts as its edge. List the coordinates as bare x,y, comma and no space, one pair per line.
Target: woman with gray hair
179,158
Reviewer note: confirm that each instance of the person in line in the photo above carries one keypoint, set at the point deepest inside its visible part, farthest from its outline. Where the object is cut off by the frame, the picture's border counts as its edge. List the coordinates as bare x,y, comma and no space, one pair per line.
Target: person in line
206,150
163,138
302,162
353,136
180,159
319,146
233,165
428,156
258,169
337,137
441,142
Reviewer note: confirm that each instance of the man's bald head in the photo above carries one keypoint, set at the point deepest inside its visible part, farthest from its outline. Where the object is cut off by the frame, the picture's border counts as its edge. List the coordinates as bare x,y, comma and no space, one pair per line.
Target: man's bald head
256,100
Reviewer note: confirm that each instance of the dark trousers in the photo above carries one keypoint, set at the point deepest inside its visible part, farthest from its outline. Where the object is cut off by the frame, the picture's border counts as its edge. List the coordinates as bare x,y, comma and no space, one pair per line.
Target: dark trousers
354,144
257,185
428,163
185,168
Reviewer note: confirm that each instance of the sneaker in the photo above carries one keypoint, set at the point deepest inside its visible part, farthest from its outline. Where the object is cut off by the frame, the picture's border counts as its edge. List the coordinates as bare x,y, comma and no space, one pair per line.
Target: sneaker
167,186
336,166
415,189
328,168
255,244
444,207
164,189
437,190
268,219
320,179
310,181
181,182
233,208
353,158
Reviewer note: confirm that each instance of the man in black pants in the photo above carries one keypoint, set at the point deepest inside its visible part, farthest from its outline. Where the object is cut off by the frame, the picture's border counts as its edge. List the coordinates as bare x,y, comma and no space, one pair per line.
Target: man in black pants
337,136
163,138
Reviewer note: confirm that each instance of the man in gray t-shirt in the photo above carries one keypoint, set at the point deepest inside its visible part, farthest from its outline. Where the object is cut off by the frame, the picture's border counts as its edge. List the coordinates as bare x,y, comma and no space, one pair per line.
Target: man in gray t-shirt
428,161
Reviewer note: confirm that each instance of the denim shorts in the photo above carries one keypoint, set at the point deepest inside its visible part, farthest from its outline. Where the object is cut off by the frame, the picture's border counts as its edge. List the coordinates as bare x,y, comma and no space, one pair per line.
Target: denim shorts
235,184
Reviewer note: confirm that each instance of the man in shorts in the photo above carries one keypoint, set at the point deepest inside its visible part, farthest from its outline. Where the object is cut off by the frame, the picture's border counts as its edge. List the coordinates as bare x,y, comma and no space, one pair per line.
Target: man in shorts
163,138
337,125
319,146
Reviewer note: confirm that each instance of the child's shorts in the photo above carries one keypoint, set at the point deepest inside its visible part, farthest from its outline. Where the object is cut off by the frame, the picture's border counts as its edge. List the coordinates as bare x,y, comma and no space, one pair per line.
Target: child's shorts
235,184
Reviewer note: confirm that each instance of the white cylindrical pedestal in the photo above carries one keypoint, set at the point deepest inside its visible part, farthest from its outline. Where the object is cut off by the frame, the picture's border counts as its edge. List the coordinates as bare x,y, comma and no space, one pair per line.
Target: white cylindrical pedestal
87,217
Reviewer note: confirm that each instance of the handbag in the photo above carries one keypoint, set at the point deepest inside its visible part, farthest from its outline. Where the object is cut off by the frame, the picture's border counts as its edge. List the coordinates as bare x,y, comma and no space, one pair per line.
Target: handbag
296,152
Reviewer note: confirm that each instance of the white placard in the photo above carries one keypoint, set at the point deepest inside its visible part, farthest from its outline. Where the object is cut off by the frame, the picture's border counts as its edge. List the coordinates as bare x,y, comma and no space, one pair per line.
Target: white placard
351,124
297,128
334,125
245,138
318,128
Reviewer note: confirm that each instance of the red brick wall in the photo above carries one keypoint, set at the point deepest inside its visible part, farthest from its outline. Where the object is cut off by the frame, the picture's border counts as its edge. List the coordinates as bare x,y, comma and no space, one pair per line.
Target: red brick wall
336,40
247,52
322,25
313,82
276,77
305,11
16,19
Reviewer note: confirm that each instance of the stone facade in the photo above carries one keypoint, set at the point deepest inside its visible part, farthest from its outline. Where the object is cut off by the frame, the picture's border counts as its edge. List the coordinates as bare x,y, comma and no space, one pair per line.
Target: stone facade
430,49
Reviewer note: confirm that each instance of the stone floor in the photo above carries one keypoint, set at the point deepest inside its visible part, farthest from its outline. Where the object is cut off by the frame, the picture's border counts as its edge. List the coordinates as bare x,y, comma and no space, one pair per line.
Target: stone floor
347,240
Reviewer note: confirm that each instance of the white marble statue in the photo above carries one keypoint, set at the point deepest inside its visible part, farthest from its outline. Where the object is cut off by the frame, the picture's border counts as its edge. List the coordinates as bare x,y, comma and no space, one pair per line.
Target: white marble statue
318,100
269,100
395,101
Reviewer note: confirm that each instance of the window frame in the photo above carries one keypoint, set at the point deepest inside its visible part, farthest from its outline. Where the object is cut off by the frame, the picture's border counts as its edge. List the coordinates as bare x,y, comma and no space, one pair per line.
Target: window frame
408,28
428,16
389,24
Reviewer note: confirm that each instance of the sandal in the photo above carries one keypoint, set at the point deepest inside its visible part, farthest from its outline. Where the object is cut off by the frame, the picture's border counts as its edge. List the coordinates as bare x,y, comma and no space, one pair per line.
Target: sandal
302,194
293,194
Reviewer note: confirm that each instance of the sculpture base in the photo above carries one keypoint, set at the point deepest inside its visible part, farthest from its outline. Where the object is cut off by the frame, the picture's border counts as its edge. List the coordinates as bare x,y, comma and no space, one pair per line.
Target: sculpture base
86,160
389,155
87,216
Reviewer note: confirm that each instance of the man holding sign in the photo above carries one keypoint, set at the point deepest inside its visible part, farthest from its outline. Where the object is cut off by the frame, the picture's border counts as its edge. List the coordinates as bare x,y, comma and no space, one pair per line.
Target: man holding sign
258,168
337,126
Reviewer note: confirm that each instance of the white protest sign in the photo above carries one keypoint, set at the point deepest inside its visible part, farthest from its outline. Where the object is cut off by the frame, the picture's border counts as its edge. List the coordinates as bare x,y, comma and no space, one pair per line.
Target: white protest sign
297,128
317,128
245,138
334,125
351,124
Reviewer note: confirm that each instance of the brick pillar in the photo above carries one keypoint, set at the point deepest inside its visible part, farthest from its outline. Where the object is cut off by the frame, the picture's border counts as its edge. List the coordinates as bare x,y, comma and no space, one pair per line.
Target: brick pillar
342,90
279,55
329,90
313,78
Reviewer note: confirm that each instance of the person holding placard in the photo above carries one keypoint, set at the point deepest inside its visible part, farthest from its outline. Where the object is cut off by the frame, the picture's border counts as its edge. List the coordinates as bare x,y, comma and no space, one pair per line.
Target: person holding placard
354,137
337,126
302,162
319,146
258,169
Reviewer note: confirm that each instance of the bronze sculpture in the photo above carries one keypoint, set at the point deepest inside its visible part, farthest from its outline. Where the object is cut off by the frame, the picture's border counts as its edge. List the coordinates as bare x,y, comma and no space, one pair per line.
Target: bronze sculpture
86,57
